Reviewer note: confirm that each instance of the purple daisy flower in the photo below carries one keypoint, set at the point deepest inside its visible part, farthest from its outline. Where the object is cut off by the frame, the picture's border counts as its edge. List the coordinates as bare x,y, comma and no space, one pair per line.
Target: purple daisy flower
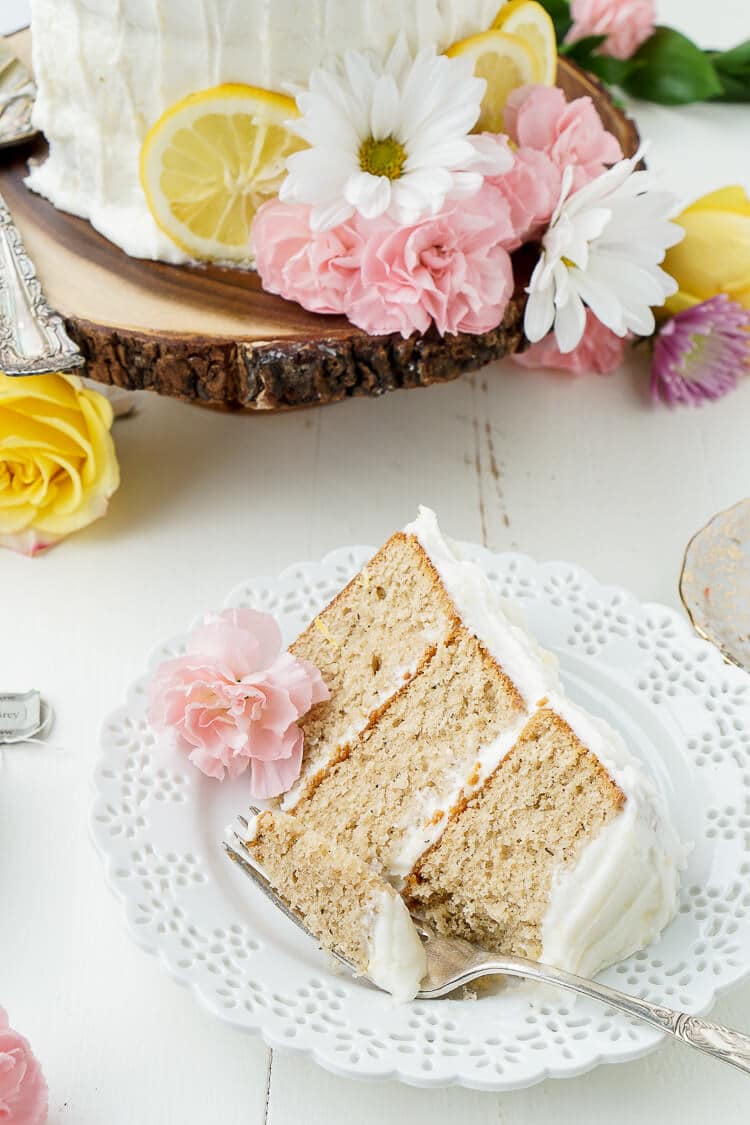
700,353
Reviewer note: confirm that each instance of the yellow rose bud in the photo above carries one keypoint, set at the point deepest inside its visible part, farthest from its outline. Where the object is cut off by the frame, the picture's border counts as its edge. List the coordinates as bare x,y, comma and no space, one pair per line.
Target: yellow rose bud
714,256
58,466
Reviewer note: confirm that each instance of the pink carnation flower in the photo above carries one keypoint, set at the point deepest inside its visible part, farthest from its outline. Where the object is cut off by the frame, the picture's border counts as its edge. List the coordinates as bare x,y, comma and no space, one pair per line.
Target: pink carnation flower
452,269
600,352
23,1091
531,190
314,269
234,699
626,23
569,133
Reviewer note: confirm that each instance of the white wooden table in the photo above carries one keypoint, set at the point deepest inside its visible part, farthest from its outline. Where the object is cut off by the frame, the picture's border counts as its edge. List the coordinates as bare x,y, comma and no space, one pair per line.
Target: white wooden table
584,470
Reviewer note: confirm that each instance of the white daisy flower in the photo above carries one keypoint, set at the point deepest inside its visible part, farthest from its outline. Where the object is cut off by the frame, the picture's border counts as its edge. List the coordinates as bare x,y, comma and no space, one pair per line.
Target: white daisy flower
388,138
602,250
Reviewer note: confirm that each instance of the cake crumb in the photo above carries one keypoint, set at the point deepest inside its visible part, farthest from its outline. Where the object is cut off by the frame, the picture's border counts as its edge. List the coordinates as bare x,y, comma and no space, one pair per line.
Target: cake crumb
323,628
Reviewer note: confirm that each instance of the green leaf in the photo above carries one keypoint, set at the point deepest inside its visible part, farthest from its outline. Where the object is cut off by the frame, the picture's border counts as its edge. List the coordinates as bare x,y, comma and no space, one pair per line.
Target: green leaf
671,70
559,11
583,49
612,71
733,69
734,61
585,53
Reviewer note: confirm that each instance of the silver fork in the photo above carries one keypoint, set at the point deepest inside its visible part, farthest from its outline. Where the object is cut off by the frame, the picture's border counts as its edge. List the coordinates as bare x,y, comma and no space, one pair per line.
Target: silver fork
453,963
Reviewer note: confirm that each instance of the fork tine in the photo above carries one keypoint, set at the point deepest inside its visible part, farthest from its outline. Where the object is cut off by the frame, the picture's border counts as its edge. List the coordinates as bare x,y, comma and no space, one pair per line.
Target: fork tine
255,810
242,820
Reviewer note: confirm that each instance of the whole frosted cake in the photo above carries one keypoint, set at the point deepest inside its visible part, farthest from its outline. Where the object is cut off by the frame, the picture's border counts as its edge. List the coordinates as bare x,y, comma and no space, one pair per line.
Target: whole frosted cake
107,71
378,160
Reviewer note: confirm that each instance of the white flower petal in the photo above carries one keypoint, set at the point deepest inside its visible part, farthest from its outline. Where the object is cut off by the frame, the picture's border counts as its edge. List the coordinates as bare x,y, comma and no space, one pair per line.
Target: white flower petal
540,311
449,154
384,112
370,195
399,60
570,323
465,184
492,155
601,300
326,216
615,232
315,175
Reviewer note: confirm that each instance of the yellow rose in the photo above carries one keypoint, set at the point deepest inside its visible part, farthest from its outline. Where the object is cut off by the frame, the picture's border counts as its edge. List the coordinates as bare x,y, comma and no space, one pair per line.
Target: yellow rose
714,256
58,467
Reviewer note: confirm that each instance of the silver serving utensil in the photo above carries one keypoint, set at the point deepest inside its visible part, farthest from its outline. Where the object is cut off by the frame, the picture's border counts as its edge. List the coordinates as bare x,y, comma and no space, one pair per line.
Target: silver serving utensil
33,339
715,583
17,96
453,963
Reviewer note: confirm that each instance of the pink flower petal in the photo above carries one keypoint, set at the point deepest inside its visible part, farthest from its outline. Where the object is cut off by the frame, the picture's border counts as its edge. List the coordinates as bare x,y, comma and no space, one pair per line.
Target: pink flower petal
271,778
233,700
23,1090
570,134
599,352
626,23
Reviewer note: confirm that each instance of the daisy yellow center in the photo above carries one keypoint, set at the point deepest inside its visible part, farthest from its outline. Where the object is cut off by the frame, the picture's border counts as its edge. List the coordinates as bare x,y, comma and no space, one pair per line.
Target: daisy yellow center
382,158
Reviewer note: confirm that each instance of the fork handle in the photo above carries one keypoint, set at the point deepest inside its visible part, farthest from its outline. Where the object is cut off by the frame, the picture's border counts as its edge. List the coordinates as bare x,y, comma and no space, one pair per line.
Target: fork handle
713,1039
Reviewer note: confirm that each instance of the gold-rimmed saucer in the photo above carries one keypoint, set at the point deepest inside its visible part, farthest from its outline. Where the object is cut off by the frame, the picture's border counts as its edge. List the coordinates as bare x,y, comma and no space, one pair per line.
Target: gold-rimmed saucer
715,583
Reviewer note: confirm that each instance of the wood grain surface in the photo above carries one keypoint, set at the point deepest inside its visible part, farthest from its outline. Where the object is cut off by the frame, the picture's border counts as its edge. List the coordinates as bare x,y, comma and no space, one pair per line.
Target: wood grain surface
210,335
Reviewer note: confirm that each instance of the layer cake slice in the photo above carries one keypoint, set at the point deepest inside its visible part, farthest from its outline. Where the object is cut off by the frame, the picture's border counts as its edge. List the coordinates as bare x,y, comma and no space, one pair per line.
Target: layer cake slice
450,761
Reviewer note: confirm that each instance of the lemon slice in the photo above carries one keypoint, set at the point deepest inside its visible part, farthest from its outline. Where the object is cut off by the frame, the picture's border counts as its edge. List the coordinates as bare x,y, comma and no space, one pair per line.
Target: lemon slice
531,22
506,62
209,163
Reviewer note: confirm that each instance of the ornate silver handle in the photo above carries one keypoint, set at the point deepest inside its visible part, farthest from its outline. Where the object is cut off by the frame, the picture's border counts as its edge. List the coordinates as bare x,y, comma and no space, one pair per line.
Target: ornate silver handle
33,340
722,1043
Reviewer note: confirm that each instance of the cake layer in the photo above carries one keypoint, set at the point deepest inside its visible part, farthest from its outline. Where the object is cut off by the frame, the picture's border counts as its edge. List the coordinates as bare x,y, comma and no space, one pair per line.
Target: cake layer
107,70
368,643
344,904
394,787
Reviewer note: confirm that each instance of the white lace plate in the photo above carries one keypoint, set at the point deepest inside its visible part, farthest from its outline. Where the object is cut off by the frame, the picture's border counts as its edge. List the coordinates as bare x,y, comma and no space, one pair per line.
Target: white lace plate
158,823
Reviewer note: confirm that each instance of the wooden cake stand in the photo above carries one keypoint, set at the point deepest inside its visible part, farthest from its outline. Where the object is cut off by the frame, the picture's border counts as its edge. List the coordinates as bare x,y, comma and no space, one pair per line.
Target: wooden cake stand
210,335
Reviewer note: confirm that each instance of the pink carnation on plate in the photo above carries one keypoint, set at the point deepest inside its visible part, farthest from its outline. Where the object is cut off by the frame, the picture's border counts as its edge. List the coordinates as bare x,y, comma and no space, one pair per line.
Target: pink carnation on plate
600,352
314,269
626,23
569,133
23,1091
234,699
452,269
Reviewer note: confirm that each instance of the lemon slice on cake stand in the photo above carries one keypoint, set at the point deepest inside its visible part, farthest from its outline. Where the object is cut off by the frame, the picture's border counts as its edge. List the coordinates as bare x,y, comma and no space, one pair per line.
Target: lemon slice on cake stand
505,62
528,20
211,161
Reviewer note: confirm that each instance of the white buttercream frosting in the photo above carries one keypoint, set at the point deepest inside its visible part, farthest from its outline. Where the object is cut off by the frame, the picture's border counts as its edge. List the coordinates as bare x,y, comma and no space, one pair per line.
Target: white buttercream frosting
397,960
533,670
622,890
108,69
